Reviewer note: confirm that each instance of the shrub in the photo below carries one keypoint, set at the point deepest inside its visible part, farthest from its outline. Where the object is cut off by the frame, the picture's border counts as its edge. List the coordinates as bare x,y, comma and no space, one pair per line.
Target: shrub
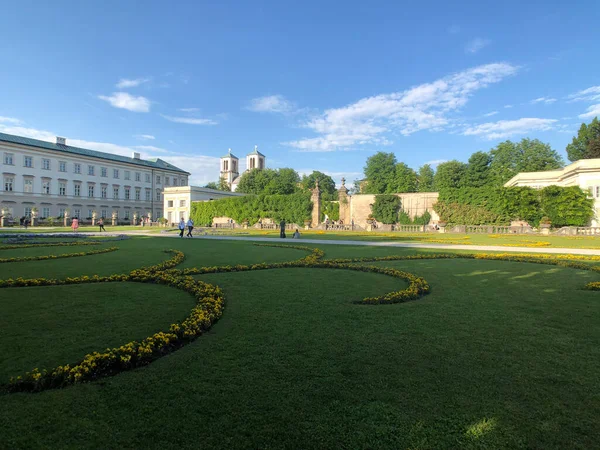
294,208
332,209
386,208
456,213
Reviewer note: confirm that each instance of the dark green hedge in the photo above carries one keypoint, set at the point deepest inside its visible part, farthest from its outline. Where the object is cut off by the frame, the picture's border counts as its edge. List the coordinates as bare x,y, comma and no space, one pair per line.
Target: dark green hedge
294,208
565,206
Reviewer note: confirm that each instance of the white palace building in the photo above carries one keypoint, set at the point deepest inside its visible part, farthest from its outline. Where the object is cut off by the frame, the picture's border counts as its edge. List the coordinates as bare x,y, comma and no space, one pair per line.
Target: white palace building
55,177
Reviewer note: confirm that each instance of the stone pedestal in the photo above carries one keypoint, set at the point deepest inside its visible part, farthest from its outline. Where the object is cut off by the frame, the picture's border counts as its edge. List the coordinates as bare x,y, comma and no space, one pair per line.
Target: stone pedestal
3,221
316,201
65,222
545,230
114,222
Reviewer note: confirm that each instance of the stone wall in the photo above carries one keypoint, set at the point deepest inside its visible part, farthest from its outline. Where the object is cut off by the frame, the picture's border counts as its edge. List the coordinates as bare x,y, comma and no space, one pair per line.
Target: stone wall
414,203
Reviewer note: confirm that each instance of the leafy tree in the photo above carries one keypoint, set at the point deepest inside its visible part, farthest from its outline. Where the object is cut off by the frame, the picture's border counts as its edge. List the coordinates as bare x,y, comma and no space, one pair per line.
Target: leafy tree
449,175
425,178
593,150
579,147
212,185
269,181
380,172
386,208
478,170
406,179
567,206
223,185
326,184
510,158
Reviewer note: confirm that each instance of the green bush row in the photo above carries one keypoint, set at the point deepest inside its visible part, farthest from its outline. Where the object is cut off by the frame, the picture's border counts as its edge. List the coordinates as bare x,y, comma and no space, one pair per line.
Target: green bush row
294,208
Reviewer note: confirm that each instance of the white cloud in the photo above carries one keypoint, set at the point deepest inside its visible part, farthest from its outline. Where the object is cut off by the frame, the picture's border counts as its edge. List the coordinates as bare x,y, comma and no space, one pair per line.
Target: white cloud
152,148
424,107
126,101
144,137
591,94
436,162
189,109
476,44
9,120
508,106
592,112
453,29
490,114
190,120
272,104
545,100
125,83
507,128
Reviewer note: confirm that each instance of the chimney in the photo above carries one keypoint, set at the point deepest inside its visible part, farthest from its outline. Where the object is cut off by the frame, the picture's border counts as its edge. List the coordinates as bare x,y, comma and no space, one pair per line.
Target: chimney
61,140
136,155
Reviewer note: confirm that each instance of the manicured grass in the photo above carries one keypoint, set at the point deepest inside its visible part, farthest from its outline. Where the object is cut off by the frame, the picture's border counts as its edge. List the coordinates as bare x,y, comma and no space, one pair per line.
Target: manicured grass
498,355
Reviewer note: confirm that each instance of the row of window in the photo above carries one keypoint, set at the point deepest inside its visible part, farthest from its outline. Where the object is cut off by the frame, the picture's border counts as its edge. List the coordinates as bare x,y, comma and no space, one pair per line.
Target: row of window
46,212
170,203
9,186
91,170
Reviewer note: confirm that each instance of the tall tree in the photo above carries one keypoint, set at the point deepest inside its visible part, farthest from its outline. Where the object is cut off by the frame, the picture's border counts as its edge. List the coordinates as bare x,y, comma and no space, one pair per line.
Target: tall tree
528,155
449,175
284,182
579,147
326,183
478,170
406,179
380,173
212,185
425,178
269,181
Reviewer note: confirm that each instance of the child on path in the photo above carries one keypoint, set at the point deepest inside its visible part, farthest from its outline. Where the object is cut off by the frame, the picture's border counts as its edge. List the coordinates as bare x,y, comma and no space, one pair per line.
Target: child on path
101,225
181,227
75,224
190,225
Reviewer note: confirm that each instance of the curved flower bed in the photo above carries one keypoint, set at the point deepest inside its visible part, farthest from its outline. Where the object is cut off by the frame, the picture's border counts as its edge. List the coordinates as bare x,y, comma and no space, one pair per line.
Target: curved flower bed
49,244
64,255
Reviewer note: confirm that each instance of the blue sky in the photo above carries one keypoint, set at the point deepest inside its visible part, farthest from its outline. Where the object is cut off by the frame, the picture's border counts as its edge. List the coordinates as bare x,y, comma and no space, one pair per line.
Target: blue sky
316,85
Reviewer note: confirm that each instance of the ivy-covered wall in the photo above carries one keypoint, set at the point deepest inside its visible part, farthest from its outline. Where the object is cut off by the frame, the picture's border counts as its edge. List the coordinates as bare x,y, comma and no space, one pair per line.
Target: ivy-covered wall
294,208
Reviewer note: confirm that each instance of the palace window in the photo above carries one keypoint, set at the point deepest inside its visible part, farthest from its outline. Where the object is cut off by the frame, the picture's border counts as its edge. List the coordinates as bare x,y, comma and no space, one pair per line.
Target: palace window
157,179
127,175
138,176
76,190
182,203
137,193
76,213
62,188
115,173
103,171
148,195
167,181
77,168
116,193
127,214
91,170
62,166
8,159
27,161
158,196
8,184
46,187
127,193
103,191
45,212
28,185
27,211
148,178
91,191
170,203
46,164
103,214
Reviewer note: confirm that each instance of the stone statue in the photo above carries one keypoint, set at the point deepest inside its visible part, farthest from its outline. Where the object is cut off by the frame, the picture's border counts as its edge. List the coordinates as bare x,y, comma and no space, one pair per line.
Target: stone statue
282,229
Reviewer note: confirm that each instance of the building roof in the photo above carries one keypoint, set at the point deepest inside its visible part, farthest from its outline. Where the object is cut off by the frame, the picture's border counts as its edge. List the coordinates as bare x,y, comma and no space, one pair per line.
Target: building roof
230,155
557,175
256,152
151,164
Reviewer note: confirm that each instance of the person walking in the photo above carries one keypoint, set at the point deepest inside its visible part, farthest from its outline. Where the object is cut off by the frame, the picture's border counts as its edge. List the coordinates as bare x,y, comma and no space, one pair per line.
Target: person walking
101,225
75,224
181,227
190,225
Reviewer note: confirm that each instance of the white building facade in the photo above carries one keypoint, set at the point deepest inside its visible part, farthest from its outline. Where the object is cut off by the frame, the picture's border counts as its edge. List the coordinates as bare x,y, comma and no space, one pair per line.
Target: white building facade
55,178
584,173
178,201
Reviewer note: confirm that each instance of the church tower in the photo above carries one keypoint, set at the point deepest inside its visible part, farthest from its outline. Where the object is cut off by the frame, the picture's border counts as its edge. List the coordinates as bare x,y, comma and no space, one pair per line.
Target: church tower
229,167
255,159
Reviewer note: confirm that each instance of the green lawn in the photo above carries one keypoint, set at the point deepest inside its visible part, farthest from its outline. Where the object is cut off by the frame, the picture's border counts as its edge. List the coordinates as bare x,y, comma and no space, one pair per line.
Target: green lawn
498,355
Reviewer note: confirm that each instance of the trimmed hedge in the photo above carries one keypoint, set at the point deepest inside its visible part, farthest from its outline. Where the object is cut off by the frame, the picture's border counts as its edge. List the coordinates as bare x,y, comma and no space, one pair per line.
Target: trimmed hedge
294,208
